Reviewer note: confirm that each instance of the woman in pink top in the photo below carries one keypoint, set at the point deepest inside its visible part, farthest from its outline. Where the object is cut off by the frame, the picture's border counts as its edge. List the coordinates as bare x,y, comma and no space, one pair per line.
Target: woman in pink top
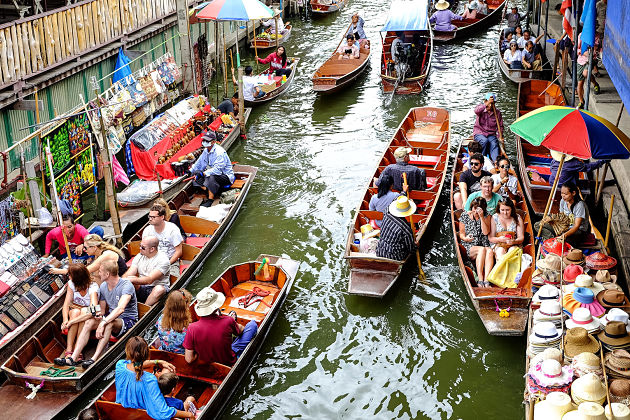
277,62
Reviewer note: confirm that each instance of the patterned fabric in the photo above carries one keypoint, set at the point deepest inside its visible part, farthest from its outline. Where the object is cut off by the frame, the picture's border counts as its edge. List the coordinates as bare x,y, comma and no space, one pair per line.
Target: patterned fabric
130,169
396,242
472,228
170,340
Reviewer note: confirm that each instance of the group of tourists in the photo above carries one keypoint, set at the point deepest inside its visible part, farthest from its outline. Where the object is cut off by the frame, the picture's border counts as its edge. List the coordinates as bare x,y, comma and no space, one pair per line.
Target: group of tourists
519,49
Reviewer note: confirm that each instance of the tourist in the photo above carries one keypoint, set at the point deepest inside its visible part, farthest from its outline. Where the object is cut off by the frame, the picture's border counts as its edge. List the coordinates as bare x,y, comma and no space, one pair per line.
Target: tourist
172,325
210,338
171,215
522,41
571,168
100,251
531,61
512,57
136,388
349,50
276,24
513,20
384,197
486,131
356,29
168,235
505,184
443,17
229,105
475,147
573,206
483,7
149,272
470,10
469,181
120,313
474,227
492,199
582,72
505,44
213,168
167,383
506,228
416,177
518,33
277,62
74,232
82,297
251,89
397,241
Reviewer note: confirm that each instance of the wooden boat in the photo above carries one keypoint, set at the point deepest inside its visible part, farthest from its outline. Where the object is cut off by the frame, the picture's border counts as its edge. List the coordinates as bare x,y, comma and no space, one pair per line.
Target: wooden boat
36,355
522,75
212,384
427,132
534,161
486,299
280,89
336,74
468,27
267,40
418,38
321,7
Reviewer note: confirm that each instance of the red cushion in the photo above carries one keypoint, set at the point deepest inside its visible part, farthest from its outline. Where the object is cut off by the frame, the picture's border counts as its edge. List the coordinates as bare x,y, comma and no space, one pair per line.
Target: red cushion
183,267
4,288
197,241
431,181
424,160
543,170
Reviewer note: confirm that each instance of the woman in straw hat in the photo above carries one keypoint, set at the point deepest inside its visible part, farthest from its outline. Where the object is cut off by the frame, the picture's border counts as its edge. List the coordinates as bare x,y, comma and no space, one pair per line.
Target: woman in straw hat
397,240
443,17
100,251
276,24
474,227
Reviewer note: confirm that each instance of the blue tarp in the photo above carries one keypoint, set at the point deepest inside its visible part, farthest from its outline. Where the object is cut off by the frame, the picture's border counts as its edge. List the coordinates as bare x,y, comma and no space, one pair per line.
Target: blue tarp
616,51
122,68
407,16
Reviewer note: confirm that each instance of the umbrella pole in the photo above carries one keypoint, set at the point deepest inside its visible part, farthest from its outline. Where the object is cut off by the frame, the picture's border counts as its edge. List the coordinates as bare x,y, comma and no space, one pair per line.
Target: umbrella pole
550,200
612,202
216,53
275,18
241,100
255,47
224,61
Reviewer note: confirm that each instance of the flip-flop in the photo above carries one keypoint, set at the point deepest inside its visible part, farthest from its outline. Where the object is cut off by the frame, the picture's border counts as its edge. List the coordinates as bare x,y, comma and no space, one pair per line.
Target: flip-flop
87,363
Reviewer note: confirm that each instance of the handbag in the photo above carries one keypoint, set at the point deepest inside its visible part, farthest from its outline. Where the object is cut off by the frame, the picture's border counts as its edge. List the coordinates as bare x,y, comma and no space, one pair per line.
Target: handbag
506,233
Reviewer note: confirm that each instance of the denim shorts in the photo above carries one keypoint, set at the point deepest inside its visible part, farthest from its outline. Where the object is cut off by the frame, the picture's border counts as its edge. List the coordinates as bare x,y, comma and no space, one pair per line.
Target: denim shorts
127,324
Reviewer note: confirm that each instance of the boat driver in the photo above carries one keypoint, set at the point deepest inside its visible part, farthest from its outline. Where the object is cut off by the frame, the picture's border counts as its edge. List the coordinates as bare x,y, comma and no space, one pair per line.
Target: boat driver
213,168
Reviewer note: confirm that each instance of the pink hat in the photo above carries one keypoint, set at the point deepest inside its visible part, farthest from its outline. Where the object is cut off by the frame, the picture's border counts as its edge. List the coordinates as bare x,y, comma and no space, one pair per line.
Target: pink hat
571,272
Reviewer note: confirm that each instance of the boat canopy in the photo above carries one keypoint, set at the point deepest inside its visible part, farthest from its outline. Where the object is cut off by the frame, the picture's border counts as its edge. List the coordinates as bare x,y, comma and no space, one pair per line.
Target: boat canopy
405,15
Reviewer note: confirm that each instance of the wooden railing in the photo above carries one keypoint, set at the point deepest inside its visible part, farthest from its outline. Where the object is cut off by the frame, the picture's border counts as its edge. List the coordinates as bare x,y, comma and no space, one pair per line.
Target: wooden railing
35,44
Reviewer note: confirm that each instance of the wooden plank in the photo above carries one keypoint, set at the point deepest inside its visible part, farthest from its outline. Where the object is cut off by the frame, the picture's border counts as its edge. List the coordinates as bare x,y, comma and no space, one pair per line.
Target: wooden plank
78,14
104,19
50,46
95,23
33,48
87,22
25,58
69,44
11,64
16,52
75,35
38,34
55,36
5,76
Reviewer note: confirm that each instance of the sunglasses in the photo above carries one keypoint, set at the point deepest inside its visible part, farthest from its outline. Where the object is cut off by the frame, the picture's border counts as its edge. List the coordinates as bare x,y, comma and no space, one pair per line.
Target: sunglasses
142,247
153,217
505,166
475,163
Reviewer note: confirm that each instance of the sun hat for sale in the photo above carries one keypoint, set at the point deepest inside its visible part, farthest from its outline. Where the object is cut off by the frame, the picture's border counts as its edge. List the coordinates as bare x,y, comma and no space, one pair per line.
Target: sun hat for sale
604,276
442,5
549,353
546,292
588,388
575,256
613,299
577,340
401,152
618,361
550,373
620,391
544,332
619,411
585,363
616,314
550,310
586,411
550,262
584,280
208,301
402,207
571,272
582,317
615,335
554,246
557,156
553,407
600,261
582,297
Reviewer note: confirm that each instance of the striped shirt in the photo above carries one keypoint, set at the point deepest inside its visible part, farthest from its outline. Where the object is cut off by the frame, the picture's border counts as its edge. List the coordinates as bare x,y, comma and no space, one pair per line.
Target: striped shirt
396,242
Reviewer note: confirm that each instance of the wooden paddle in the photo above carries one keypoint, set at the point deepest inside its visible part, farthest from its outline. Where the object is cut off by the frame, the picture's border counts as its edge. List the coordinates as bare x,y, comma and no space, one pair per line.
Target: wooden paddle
421,275
496,118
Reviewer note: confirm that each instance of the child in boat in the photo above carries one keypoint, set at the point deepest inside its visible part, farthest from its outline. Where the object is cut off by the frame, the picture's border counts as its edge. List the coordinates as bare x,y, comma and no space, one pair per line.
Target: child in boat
167,383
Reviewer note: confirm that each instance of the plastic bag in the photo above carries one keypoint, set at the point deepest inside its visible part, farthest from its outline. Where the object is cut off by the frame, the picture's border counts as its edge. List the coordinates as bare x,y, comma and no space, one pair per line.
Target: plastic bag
214,213
44,217
505,270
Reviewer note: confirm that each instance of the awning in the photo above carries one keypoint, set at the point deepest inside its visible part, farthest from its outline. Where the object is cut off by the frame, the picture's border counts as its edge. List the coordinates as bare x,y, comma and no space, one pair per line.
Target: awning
407,16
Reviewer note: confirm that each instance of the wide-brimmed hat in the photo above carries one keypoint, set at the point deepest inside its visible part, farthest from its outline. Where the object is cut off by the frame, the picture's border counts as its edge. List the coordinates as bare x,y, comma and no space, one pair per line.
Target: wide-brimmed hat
613,299
582,317
208,301
554,246
571,272
575,256
368,231
546,292
545,332
604,276
402,207
615,335
616,314
618,361
620,391
588,388
585,363
584,280
401,152
473,5
550,310
586,411
600,261
550,373
549,353
619,411
557,156
582,297
550,262
442,5
577,340
553,407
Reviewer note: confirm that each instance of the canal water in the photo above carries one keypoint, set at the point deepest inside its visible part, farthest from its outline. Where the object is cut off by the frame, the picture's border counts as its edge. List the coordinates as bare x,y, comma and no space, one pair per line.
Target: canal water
421,352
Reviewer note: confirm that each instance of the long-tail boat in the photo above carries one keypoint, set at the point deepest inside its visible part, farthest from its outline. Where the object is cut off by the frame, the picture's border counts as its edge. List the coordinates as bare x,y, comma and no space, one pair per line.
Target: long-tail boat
523,75
280,87
334,74
212,384
427,132
266,40
486,300
33,363
467,27
321,8
410,18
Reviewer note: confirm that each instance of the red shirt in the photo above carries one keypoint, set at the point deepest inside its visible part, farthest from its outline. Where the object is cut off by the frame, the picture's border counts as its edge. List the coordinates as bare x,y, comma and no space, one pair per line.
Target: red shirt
274,61
211,339
79,233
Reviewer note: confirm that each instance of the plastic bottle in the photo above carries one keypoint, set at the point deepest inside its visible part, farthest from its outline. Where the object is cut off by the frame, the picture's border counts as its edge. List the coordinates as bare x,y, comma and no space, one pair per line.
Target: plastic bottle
284,78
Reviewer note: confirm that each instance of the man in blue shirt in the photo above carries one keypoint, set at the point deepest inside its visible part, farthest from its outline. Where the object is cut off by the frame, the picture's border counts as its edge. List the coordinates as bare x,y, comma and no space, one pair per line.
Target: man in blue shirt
213,168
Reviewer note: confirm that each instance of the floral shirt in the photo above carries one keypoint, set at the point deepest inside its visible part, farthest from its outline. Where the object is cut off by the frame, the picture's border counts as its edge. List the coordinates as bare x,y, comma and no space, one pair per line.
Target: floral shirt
170,340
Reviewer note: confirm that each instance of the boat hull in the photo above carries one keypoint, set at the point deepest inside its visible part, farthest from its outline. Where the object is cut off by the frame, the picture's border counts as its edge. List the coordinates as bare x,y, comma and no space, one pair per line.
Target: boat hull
333,75
468,27
281,90
268,43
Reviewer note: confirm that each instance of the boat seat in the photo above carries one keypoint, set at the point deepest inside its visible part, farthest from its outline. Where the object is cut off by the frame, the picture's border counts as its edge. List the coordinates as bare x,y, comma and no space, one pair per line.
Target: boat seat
112,410
431,182
424,160
242,289
542,170
197,241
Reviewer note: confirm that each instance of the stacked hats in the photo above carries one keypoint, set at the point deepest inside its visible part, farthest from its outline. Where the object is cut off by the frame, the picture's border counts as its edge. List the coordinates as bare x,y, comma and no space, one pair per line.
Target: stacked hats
620,391
575,256
586,281
545,335
582,297
617,364
582,317
577,340
586,411
549,376
553,407
546,292
571,272
588,388
550,266
613,299
550,310
550,353
616,314
615,336
585,363
619,411
600,261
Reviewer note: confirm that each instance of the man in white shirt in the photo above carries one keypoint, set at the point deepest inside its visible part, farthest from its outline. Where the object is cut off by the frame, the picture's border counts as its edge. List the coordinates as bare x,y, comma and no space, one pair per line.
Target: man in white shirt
168,234
251,90
149,272
281,28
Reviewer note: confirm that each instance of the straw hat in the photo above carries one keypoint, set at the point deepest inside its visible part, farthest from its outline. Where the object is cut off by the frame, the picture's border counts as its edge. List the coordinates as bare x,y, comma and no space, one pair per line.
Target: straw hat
584,280
575,256
557,156
571,272
402,207
550,310
585,363
604,276
553,407
613,299
550,262
616,314
615,335
208,301
588,388
620,391
550,373
546,292
554,246
600,261
582,297
577,340
618,361
619,411
582,317
586,411
550,353
368,231
401,152
544,332
442,5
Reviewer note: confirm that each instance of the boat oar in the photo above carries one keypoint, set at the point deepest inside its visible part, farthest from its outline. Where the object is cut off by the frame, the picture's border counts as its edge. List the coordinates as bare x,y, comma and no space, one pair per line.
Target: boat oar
421,275
496,118
398,80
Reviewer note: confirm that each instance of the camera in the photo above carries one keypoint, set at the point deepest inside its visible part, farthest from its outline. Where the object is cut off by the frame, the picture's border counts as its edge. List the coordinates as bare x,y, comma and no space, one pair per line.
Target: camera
348,51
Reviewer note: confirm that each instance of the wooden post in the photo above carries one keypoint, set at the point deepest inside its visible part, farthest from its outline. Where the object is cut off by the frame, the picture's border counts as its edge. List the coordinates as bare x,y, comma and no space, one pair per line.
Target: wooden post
41,148
241,100
275,18
255,47
612,202
188,70
224,62
55,199
550,200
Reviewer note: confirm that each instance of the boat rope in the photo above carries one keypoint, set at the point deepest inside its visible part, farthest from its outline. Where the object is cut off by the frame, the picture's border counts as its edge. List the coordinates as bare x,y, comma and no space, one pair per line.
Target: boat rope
54,372
34,388
257,294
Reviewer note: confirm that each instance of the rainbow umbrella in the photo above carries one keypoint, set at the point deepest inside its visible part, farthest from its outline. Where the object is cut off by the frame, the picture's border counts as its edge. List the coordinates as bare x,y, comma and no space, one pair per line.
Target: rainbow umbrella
573,132
242,10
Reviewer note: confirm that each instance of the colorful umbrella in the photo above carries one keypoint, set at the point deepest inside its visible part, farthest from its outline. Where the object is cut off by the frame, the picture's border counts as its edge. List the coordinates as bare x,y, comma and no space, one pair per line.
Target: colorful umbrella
243,10
574,132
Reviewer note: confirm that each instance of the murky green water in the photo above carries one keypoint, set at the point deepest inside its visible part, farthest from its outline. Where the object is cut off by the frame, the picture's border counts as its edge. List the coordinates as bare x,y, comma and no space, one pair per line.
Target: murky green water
419,353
